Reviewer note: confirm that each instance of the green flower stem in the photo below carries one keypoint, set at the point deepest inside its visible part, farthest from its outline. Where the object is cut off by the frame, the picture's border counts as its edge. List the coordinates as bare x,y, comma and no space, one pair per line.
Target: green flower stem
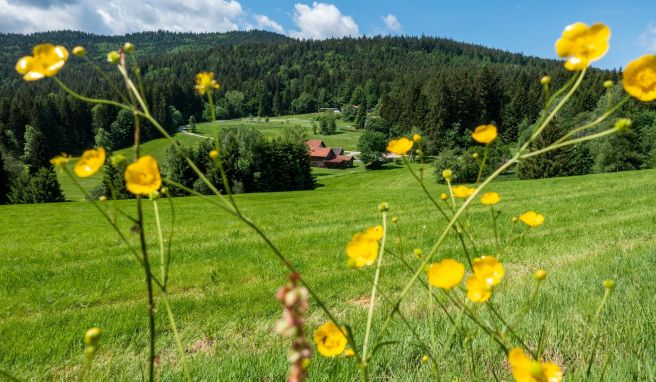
372,302
555,110
165,296
482,166
90,100
496,231
441,238
570,142
280,257
104,214
594,328
85,366
595,122
510,329
105,77
176,335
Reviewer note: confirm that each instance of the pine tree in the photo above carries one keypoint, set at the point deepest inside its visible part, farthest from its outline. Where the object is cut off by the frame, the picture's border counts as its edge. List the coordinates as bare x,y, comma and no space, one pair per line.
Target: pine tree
35,153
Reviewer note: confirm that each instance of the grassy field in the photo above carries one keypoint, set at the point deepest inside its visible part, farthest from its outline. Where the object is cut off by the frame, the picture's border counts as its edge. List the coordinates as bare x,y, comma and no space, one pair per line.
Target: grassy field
346,137
62,270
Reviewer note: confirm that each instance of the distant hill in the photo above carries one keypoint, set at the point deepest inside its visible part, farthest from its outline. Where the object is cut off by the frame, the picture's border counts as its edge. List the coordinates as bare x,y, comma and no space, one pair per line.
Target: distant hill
433,85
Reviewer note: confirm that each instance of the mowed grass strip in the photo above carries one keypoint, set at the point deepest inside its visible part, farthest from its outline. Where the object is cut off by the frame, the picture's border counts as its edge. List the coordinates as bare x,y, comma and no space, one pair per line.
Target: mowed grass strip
62,270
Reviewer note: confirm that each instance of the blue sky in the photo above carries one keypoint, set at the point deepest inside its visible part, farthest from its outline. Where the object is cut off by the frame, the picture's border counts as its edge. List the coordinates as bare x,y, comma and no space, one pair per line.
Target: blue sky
529,26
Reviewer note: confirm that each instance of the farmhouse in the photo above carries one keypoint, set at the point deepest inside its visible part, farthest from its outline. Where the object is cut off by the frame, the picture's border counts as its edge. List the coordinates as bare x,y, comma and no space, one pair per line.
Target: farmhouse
329,157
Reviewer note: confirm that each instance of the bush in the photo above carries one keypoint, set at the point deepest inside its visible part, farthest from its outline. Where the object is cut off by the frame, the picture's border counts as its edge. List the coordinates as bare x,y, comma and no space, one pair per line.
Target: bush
40,187
327,124
372,146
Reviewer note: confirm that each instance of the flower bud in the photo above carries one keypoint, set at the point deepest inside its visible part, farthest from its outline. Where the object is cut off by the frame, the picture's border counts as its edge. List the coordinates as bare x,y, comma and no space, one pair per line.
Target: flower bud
623,124
447,174
383,207
425,358
417,138
102,198
418,252
608,84
475,155
609,284
79,51
214,154
154,195
419,152
395,219
113,57
540,274
164,190
514,219
92,336
444,197
545,80
118,160
128,47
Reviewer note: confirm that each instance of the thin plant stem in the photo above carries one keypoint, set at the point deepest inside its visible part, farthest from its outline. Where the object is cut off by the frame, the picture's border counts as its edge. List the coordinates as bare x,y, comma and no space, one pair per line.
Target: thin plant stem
482,166
176,335
594,123
372,302
570,142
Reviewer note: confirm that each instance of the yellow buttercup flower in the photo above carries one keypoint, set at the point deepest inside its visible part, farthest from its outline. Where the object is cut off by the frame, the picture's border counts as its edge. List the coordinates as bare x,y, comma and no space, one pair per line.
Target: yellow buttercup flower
488,269
446,274
490,198
90,162
205,82
532,219
417,138
375,233
462,192
45,61
60,160
581,44
330,340
214,154
400,146
478,290
142,177
526,369
639,78
362,250
485,134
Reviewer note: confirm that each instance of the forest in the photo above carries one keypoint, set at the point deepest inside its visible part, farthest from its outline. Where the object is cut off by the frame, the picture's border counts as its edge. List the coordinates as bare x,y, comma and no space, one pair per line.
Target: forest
394,85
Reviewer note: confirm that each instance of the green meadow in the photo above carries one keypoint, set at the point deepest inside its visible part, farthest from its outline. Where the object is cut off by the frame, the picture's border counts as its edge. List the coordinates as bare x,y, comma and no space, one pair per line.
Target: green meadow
63,270
345,137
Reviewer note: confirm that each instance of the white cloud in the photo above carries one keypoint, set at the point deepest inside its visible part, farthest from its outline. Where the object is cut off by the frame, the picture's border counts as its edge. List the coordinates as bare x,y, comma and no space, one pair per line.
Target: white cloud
391,22
322,21
648,38
121,16
264,22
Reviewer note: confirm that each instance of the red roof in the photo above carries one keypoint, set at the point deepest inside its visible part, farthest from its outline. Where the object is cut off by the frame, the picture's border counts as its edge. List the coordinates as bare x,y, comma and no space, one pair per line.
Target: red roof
322,152
314,143
341,158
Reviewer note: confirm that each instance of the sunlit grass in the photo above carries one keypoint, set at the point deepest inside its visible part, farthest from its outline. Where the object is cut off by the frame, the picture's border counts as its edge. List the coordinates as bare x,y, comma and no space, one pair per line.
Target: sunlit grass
62,270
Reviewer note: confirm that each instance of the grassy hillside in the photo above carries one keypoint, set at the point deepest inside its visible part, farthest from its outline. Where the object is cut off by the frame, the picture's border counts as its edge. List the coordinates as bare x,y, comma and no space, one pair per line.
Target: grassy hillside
346,137
62,270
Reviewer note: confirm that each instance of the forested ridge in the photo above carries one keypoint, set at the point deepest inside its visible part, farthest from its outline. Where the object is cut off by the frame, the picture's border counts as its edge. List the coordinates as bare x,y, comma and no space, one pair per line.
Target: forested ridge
439,87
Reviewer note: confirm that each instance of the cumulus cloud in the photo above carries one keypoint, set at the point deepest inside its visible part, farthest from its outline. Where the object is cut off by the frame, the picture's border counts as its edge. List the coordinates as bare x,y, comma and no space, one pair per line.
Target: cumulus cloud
648,38
391,22
264,22
321,21
120,16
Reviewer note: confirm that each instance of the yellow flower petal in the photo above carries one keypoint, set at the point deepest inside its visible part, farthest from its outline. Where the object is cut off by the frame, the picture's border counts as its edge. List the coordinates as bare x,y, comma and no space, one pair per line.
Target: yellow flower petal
46,61
478,290
526,369
532,219
446,274
639,78
330,340
580,45
60,160
462,192
490,198
362,250
375,233
90,162
142,177
400,146
488,269
205,82
485,134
